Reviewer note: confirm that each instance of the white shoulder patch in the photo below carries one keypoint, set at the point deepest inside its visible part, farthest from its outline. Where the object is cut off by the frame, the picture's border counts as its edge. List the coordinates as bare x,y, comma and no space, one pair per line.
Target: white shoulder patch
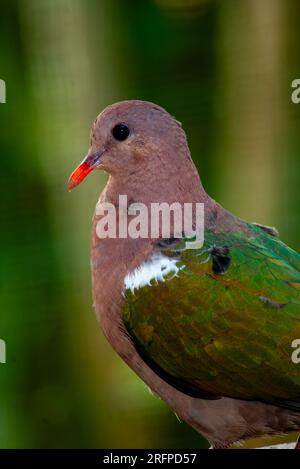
156,268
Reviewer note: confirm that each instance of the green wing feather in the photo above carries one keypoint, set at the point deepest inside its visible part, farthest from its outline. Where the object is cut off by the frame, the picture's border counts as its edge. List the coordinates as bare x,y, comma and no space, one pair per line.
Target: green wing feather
225,334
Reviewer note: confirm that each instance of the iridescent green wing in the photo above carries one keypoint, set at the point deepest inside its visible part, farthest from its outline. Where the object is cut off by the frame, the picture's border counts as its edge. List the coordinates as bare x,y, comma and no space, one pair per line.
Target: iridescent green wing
225,323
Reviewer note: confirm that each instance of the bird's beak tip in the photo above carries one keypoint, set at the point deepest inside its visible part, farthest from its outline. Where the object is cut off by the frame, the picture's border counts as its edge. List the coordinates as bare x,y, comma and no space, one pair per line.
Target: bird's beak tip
81,172
79,175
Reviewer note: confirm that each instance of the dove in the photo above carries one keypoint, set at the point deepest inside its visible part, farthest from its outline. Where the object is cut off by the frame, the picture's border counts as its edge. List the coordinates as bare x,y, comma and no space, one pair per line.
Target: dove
209,329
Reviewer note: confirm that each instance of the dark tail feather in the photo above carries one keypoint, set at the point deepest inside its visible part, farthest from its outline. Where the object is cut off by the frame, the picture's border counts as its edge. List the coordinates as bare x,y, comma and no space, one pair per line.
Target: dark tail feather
290,404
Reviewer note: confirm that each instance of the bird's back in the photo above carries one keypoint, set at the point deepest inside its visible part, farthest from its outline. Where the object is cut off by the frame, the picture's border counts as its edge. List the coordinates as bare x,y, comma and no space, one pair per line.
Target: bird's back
222,320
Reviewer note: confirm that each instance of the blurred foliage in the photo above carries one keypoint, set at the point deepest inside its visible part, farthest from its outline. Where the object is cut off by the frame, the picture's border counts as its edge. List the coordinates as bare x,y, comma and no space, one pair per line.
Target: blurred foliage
223,68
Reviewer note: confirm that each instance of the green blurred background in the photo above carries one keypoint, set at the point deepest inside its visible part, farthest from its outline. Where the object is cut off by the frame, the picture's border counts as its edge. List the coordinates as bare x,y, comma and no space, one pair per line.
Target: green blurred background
223,68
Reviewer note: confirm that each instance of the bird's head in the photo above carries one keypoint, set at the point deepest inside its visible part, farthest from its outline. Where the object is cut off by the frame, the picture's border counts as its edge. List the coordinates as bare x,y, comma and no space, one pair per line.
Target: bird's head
134,138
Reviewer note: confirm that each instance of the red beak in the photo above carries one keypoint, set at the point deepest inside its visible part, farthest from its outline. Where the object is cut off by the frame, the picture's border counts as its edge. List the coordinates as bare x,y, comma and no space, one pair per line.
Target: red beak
90,162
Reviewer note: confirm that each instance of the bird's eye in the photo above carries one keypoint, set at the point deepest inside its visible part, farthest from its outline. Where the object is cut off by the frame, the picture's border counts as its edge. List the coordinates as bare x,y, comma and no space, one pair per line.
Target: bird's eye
121,132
